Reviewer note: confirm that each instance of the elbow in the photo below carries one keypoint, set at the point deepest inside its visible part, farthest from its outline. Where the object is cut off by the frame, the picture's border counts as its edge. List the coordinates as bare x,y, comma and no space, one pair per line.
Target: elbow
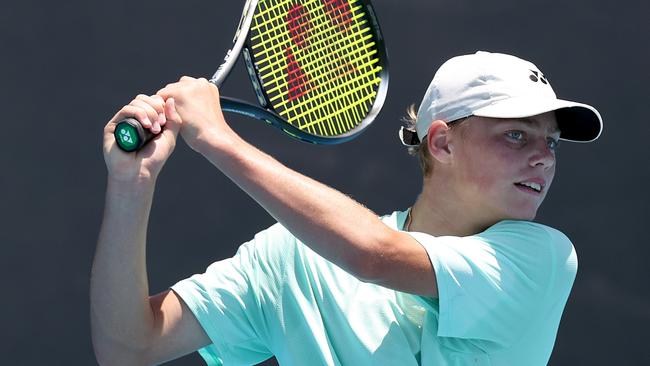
104,355
109,353
119,343
107,357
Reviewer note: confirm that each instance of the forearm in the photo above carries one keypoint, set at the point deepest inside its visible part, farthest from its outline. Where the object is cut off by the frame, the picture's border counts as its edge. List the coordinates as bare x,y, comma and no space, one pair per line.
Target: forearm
121,317
332,224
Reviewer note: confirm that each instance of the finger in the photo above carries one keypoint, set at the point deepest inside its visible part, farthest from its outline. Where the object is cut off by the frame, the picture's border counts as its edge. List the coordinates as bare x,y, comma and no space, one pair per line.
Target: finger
167,88
162,119
156,102
160,99
161,113
167,91
130,111
152,115
173,127
187,78
173,117
171,112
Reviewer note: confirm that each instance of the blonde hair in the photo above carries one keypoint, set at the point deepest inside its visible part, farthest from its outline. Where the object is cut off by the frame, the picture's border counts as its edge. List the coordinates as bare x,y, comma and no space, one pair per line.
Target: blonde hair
421,151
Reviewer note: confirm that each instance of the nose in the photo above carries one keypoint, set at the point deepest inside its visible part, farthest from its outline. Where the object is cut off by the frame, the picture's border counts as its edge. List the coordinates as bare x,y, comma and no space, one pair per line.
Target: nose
542,155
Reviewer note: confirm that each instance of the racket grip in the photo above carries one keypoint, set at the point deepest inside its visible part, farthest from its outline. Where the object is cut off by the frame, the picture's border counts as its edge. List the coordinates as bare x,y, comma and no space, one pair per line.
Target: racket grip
130,135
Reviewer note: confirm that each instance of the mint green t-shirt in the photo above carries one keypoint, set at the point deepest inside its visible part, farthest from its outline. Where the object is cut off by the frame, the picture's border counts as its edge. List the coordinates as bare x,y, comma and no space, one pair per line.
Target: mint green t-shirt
501,297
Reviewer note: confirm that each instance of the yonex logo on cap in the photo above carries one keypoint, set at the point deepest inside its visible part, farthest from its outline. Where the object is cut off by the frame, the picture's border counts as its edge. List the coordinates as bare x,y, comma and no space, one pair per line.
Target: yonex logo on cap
538,76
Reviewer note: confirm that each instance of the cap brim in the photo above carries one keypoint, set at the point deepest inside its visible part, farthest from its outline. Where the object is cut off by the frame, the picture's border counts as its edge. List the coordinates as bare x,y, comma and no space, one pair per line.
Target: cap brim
577,122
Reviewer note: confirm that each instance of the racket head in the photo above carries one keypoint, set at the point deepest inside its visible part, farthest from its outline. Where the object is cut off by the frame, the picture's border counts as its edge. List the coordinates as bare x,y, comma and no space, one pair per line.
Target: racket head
318,67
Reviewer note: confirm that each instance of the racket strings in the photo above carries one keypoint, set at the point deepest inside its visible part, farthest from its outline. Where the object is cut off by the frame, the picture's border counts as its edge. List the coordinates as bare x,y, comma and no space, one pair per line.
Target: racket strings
276,24
312,58
329,74
301,37
355,101
274,51
317,61
342,110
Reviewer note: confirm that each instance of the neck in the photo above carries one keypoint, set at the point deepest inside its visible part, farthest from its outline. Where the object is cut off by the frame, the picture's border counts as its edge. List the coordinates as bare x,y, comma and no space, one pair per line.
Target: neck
439,211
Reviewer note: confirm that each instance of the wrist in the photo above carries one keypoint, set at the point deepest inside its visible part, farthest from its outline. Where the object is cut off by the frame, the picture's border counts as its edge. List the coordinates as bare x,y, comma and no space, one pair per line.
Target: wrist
219,141
137,188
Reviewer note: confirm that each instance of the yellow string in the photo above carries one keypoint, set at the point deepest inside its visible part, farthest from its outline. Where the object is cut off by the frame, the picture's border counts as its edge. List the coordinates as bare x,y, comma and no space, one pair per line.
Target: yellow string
339,66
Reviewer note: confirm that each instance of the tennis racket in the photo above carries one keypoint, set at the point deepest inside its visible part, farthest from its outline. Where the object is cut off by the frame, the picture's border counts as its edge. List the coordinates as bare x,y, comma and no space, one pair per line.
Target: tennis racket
318,68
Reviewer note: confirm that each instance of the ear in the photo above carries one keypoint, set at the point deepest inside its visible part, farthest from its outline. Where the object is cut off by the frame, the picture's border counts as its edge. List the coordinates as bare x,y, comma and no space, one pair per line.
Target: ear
438,138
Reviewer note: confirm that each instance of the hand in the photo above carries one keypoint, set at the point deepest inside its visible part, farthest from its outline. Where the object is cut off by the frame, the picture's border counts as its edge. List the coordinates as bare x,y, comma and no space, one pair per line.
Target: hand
144,165
197,103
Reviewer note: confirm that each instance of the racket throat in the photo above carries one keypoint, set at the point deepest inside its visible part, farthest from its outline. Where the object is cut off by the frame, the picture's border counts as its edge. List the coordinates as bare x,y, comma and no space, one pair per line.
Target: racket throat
257,86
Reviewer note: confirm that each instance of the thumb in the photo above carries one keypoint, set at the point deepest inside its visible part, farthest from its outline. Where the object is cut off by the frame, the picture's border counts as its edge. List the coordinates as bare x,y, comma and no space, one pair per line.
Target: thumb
174,121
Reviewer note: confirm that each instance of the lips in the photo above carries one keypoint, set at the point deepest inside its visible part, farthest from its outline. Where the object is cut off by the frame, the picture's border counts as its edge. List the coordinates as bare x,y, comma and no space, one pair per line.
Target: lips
535,185
528,189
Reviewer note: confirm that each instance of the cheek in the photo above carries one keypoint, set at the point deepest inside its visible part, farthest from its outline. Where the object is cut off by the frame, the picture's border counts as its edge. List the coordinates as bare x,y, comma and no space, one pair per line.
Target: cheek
487,167
550,178
486,176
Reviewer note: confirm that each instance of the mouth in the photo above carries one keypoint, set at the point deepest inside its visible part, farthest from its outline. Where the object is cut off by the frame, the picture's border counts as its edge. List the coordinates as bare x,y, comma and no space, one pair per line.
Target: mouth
530,187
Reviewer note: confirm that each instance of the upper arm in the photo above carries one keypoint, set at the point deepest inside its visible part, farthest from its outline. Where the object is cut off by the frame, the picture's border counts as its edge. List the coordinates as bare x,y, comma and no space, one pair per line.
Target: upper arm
402,264
176,330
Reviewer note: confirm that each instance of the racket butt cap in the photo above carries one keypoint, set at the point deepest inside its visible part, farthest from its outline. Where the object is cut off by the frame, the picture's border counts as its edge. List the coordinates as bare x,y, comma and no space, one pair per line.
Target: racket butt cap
130,135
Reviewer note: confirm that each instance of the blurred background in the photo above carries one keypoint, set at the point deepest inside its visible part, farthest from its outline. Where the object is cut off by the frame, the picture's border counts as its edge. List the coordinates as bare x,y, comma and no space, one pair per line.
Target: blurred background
67,67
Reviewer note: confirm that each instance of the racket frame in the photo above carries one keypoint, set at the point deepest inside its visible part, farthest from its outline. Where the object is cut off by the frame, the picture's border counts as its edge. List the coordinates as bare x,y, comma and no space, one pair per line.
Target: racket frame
265,113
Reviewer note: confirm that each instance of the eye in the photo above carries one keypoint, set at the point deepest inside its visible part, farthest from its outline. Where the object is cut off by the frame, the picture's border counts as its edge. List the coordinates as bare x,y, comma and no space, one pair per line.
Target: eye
553,144
515,135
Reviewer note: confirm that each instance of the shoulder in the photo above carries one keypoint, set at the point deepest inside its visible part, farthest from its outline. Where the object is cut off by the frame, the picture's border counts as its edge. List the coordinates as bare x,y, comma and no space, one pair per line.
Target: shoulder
525,232
536,242
271,246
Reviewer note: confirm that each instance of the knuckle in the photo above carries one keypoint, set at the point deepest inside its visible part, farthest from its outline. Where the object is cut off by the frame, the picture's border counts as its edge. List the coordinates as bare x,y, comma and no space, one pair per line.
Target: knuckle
140,115
125,112
157,103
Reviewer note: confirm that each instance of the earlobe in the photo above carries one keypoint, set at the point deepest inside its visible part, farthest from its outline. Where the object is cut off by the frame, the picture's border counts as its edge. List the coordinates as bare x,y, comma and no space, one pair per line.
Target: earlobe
439,143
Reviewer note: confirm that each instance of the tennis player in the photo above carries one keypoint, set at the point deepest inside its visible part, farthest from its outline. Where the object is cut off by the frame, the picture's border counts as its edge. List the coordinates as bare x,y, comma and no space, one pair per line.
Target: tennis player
462,277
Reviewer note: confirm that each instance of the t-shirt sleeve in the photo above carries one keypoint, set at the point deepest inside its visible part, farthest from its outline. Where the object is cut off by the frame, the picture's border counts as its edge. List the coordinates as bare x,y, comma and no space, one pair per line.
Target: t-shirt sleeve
232,298
493,284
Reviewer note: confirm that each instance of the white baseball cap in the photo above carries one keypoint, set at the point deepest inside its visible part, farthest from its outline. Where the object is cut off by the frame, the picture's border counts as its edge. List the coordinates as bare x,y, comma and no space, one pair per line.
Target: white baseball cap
497,85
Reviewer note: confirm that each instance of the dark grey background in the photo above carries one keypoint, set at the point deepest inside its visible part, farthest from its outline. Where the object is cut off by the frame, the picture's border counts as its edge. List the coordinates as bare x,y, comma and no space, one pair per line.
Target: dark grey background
68,66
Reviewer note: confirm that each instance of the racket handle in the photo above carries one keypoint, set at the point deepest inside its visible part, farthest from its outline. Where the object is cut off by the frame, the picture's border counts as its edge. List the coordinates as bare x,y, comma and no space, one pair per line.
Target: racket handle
130,135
